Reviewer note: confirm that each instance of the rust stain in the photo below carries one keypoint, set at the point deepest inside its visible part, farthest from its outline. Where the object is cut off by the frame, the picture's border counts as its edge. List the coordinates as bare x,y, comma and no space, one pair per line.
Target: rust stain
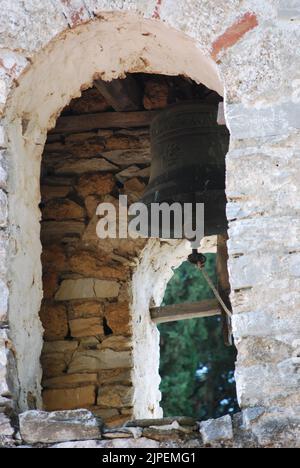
156,13
234,33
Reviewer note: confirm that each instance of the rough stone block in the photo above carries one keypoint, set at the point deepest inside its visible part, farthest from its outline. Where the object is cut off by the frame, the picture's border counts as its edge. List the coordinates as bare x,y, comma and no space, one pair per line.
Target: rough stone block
62,210
117,343
54,364
95,361
90,264
54,321
95,184
50,192
156,94
115,396
133,171
6,430
115,376
87,289
85,309
57,231
41,427
112,444
106,289
280,119
92,103
217,430
69,399
86,327
70,381
263,323
125,158
54,258
273,385
118,318
64,347
50,284
82,166
289,10
252,350
250,415
278,428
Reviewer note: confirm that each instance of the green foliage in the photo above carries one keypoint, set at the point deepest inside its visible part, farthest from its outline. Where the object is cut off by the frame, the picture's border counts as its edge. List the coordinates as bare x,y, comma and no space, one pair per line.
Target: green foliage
197,369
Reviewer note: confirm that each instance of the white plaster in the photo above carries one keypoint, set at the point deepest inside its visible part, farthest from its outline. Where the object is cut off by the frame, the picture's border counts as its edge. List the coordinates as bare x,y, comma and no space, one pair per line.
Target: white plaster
157,263
148,286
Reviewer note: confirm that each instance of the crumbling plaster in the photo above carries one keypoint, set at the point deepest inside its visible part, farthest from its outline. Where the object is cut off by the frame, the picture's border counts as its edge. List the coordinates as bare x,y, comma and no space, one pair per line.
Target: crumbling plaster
50,56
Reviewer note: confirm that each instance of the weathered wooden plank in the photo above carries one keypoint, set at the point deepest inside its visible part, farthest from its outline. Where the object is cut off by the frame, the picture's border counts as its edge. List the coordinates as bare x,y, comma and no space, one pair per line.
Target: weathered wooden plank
189,310
89,122
123,95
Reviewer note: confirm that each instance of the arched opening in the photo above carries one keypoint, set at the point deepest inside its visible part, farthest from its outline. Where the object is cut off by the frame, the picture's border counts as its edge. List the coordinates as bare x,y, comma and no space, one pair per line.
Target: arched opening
100,149
196,366
44,90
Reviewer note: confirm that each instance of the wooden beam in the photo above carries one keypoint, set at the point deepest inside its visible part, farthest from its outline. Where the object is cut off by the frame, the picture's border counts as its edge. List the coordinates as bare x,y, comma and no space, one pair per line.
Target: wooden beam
189,310
123,95
89,122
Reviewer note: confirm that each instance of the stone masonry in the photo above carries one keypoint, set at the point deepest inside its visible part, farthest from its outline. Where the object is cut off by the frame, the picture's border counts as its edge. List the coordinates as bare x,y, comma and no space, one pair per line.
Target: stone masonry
246,50
87,356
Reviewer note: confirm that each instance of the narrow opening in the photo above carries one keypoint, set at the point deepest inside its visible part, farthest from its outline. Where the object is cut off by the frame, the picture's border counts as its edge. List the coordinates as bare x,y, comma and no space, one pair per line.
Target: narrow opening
196,366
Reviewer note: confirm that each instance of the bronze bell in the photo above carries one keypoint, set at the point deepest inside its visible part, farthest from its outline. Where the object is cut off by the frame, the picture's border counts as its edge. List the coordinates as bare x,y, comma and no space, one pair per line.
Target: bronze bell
188,161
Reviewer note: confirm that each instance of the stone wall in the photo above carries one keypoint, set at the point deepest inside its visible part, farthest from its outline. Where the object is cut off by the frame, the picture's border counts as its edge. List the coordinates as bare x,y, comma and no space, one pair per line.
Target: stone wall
247,50
81,429
86,311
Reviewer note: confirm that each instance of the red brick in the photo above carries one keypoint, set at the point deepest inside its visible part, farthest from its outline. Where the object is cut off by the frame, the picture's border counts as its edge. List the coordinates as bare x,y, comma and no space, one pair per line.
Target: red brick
234,33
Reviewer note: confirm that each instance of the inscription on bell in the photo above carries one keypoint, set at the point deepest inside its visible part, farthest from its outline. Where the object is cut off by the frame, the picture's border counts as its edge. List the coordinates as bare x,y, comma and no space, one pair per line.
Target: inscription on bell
188,161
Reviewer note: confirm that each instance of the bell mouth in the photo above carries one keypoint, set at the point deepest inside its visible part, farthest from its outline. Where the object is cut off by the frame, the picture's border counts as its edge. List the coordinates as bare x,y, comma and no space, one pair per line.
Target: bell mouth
212,222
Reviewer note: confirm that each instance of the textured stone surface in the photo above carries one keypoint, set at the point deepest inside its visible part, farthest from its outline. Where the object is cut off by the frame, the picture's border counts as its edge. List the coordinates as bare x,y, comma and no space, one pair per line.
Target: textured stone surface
85,309
40,427
62,210
118,318
112,444
117,396
90,265
87,289
86,327
93,361
54,320
289,10
70,381
69,399
280,119
217,430
251,415
95,184
6,429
